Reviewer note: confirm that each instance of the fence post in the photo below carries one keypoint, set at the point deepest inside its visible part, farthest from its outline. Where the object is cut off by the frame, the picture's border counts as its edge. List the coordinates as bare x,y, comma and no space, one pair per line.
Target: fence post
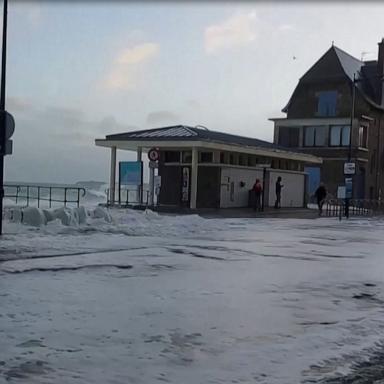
17,193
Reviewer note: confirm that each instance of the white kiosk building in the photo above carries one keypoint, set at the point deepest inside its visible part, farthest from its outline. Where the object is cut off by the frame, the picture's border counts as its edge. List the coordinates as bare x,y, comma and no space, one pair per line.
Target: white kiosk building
200,168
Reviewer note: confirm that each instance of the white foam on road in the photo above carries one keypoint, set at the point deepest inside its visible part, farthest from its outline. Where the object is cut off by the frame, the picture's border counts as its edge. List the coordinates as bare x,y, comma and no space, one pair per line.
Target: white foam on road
148,298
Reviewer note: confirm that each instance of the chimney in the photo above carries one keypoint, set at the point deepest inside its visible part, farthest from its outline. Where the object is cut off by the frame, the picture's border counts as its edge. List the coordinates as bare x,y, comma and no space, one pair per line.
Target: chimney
380,71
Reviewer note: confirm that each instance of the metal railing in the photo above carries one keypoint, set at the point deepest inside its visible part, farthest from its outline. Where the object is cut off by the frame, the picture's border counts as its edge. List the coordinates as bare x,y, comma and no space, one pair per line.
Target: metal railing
127,196
334,207
24,194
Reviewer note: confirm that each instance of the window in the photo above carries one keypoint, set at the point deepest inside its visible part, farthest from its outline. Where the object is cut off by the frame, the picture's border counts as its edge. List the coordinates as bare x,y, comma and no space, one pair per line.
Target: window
172,156
187,156
320,137
231,159
339,135
289,136
363,137
242,159
222,157
315,136
206,157
251,161
326,103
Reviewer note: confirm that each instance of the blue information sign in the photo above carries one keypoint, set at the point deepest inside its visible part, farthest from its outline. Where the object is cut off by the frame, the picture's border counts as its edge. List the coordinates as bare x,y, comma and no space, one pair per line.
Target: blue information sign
348,187
131,172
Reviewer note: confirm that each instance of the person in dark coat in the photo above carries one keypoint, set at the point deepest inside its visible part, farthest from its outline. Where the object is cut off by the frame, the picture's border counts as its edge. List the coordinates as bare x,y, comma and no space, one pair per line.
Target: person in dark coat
321,194
278,188
258,190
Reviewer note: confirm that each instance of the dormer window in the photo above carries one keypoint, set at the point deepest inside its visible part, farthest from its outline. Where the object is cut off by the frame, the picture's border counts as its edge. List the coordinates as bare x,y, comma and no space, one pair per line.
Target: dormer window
326,105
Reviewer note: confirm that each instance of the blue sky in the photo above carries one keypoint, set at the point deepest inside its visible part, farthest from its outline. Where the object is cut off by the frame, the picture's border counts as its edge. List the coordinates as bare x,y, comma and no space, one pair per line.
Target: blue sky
81,70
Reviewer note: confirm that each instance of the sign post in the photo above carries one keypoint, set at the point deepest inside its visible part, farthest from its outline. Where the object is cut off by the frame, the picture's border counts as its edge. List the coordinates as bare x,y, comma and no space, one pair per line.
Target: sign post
153,156
348,194
157,183
2,108
349,171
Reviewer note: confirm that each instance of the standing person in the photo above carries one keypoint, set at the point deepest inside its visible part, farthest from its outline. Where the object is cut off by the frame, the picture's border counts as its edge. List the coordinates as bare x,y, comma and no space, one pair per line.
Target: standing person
320,194
278,192
257,189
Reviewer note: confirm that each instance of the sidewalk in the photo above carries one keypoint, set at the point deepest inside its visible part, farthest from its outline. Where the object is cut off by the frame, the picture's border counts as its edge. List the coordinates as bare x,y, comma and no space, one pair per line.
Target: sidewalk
288,213
214,213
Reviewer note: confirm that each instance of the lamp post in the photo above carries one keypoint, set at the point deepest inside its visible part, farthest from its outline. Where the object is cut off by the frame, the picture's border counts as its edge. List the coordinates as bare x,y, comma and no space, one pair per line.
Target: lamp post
347,198
354,82
2,110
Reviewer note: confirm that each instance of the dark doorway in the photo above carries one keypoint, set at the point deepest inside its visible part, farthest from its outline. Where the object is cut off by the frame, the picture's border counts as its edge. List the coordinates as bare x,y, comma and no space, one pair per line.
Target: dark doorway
208,187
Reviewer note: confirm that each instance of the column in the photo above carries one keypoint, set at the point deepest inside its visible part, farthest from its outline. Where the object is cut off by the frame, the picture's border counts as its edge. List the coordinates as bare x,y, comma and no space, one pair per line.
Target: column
194,170
112,179
151,186
139,190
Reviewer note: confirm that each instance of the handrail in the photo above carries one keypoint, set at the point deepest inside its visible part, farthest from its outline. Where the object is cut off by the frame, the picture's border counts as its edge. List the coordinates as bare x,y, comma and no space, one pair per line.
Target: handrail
357,207
28,196
121,201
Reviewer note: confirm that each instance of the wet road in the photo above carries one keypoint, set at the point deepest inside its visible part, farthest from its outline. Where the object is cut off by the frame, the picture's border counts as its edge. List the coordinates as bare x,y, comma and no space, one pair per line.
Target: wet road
268,302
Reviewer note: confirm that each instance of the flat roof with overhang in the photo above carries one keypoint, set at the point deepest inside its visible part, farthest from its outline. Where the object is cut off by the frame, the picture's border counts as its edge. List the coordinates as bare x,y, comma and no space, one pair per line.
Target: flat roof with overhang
182,136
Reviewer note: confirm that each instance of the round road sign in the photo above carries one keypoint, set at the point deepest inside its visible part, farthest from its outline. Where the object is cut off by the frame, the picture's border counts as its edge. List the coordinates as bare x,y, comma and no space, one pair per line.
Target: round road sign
153,154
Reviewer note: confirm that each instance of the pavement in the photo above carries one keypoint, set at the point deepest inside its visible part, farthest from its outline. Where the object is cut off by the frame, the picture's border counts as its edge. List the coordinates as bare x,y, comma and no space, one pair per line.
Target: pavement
288,213
213,213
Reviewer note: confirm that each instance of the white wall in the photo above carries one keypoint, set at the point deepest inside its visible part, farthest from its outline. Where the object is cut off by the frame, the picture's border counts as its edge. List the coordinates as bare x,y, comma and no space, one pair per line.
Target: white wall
235,176
292,194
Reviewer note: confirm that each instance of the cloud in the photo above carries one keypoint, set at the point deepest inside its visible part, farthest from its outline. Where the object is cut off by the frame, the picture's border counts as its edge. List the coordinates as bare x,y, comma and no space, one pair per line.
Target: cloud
125,68
27,13
18,104
238,30
162,117
286,28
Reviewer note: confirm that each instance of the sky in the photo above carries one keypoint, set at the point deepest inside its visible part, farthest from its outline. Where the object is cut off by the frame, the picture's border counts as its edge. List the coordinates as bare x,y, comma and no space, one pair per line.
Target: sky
77,71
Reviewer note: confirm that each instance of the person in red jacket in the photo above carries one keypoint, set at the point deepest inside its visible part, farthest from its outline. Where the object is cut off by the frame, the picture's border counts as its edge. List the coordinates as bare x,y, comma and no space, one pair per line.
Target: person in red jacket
258,190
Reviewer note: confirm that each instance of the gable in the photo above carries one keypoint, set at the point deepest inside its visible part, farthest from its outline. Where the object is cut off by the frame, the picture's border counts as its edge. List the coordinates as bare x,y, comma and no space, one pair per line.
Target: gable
327,67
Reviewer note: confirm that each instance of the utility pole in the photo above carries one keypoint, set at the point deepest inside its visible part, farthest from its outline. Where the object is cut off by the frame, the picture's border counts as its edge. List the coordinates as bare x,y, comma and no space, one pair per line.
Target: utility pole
347,197
2,109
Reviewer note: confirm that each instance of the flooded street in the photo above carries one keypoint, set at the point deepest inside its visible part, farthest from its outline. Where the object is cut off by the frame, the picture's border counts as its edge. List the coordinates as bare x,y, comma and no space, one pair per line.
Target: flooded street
219,301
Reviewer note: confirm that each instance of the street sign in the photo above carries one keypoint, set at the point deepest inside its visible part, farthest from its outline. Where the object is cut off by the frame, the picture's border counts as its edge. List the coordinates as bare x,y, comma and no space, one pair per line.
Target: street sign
130,173
9,124
349,168
153,154
8,147
157,184
153,164
9,130
341,192
348,187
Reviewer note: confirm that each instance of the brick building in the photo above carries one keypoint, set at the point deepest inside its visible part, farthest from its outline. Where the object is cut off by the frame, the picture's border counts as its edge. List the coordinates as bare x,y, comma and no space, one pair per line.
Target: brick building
319,121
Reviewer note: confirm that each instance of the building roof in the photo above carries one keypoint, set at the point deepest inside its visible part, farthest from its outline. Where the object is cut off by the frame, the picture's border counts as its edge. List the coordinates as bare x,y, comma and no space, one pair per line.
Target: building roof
183,136
365,72
350,64
186,133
